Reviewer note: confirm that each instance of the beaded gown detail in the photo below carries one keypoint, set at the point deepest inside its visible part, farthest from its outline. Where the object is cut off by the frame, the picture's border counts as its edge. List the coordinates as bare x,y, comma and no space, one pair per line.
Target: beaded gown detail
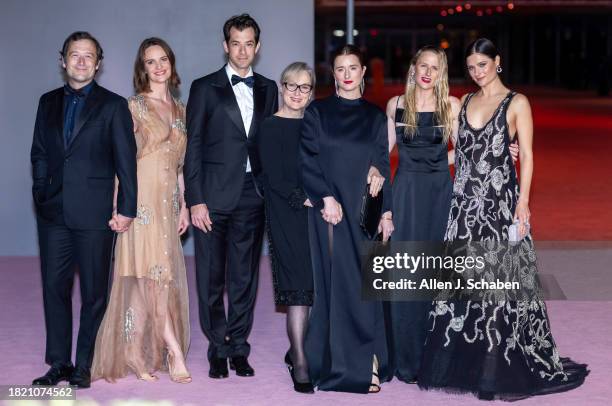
493,348
149,277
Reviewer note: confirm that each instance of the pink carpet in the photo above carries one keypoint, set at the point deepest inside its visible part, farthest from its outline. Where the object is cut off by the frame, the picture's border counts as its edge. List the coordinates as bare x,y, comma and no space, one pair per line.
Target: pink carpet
570,201
582,330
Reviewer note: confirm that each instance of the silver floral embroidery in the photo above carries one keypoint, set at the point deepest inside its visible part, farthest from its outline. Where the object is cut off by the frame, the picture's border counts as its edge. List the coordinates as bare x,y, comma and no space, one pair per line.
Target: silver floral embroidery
176,204
456,323
485,191
461,178
180,125
498,144
141,105
497,179
483,167
144,215
505,210
129,325
156,273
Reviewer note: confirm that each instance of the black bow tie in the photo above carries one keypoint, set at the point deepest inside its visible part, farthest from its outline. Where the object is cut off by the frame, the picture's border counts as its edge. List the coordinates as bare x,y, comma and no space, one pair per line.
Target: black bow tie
249,80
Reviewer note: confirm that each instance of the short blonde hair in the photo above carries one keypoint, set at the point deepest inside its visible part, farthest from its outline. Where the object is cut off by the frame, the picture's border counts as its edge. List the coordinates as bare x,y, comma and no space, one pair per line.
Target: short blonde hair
294,69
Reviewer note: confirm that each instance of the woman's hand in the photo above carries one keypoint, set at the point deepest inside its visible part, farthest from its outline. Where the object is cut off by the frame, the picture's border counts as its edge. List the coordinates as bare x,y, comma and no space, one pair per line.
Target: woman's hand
385,226
375,180
522,214
332,211
183,223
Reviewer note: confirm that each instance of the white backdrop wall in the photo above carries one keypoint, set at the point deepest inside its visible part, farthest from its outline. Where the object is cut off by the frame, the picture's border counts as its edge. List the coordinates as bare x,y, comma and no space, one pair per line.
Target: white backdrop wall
32,32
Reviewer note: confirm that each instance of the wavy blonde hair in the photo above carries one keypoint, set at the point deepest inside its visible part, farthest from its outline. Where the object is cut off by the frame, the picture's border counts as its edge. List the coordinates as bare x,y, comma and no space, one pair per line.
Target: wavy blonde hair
443,114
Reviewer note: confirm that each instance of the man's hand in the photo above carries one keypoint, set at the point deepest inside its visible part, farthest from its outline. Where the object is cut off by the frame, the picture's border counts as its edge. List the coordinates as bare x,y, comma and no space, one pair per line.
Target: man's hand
514,151
119,223
200,217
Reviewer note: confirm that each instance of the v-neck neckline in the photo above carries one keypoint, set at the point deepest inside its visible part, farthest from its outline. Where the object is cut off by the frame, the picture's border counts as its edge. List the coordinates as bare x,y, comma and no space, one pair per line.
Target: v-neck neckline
467,120
159,117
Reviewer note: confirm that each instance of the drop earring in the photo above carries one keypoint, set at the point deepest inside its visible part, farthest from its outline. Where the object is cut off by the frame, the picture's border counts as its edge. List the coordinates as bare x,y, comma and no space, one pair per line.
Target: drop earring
498,69
411,80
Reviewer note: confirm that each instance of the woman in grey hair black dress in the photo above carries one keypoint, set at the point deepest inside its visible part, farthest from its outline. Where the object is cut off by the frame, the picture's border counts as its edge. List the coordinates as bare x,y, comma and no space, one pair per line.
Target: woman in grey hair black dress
286,214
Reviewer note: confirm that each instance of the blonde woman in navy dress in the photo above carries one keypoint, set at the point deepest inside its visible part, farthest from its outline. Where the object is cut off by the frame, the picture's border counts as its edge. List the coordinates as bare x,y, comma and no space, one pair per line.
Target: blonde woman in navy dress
421,122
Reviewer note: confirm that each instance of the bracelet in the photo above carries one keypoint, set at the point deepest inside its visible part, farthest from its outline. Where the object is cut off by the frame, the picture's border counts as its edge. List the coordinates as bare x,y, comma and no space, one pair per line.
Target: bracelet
387,218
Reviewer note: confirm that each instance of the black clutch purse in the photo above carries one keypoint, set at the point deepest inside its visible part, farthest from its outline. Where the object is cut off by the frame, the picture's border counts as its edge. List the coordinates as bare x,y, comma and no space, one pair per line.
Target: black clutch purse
371,210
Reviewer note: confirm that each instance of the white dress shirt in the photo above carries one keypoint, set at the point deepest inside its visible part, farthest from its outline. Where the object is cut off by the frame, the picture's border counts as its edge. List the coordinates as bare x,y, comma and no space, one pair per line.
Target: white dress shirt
244,97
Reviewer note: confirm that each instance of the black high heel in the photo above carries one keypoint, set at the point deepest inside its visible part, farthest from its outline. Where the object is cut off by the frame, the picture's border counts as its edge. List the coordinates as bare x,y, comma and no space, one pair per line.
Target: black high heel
301,387
374,387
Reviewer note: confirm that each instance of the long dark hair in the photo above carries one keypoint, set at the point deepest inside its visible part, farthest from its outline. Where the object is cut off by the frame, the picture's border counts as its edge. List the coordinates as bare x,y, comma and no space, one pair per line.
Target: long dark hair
482,46
141,82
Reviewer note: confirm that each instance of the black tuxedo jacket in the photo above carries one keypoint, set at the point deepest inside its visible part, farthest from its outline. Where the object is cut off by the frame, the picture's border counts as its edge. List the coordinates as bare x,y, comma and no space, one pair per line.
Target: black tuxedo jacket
217,144
77,181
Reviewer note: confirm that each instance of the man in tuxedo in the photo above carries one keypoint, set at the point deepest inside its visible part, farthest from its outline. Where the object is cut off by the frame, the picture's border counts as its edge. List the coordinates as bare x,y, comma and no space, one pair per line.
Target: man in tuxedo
83,138
221,169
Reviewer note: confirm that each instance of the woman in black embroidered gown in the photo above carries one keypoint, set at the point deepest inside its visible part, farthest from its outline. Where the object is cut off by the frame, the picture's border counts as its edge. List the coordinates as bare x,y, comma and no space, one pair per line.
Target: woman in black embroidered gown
420,123
495,349
286,215
344,144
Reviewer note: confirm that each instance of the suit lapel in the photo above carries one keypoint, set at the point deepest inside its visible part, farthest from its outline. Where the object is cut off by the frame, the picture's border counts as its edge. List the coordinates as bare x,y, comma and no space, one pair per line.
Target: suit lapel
57,119
91,102
259,103
228,99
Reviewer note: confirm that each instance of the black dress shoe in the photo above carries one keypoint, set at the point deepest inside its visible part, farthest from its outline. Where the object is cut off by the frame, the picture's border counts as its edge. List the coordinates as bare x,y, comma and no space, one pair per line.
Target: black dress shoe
54,375
241,366
218,368
301,387
81,378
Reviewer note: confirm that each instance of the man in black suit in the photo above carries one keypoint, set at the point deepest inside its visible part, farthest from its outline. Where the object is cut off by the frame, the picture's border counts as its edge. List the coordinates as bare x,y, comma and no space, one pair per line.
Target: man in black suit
221,168
83,138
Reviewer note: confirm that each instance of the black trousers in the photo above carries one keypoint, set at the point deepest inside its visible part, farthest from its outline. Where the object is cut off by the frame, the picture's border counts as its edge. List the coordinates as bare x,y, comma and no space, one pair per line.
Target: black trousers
61,248
228,256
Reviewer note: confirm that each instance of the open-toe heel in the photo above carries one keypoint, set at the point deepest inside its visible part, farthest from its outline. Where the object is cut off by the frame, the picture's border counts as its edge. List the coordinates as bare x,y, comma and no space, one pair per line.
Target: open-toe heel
183,377
374,387
147,377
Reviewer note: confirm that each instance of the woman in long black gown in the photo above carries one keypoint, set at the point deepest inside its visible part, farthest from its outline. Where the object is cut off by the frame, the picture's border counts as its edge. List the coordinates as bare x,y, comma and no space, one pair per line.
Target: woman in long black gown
286,214
495,349
344,144
420,123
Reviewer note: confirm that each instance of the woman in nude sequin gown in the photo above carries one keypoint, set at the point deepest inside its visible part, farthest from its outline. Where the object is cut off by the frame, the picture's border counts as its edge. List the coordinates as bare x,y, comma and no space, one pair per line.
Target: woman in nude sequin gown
146,325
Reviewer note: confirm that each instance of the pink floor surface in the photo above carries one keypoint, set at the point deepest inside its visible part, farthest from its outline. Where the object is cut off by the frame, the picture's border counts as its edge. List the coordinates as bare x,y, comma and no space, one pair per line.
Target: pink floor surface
582,330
